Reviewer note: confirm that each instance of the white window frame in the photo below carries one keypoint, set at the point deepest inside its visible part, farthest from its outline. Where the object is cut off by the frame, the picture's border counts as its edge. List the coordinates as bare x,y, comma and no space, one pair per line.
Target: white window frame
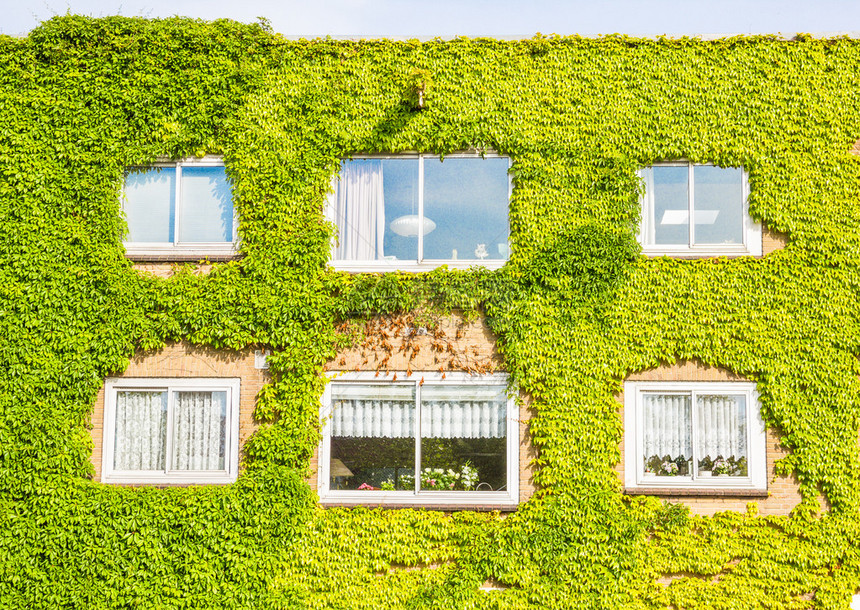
634,469
752,243
176,247
421,264
171,384
510,497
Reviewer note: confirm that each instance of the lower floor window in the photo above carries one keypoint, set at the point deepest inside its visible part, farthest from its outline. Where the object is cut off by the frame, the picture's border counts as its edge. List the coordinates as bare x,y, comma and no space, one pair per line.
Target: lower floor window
428,439
171,430
694,434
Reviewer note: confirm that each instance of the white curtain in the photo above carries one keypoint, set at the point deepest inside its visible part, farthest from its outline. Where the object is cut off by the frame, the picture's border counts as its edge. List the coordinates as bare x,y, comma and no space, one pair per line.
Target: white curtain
472,419
357,207
199,421
667,423
721,426
373,418
446,411
141,425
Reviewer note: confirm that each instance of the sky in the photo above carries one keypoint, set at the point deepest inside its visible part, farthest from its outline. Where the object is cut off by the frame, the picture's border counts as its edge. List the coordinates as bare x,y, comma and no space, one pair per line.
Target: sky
495,18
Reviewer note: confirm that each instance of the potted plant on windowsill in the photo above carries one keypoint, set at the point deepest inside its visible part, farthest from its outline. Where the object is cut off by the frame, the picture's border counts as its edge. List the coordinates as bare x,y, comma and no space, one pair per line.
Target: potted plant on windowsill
722,468
706,466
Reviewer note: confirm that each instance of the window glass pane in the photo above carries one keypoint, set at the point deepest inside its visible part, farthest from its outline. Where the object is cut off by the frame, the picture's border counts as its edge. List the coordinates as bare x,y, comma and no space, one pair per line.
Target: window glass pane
149,204
722,435
467,199
670,197
463,438
718,205
370,195
141,425
199,430
206,206
667,434
372,437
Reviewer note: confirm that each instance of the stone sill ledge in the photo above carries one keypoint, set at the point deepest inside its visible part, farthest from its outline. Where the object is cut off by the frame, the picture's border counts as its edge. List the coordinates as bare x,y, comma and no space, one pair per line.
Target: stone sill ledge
448,508
696,493
181,258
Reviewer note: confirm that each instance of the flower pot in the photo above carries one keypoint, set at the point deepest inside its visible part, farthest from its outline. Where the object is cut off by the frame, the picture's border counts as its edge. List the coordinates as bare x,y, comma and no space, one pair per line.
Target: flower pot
704,473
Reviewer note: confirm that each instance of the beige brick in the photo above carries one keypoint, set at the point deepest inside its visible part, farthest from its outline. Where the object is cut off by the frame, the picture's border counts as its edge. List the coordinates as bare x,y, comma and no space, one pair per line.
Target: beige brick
454,343
772,240
168,269
185,360
783,494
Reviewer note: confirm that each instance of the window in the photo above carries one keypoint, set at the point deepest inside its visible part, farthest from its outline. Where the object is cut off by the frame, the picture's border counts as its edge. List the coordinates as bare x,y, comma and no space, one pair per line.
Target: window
179,208
716,200
426,439
175,430
683,434
413,212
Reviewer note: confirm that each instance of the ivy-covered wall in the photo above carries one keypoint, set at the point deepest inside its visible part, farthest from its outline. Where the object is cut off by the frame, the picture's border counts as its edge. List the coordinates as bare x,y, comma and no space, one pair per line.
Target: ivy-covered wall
576,310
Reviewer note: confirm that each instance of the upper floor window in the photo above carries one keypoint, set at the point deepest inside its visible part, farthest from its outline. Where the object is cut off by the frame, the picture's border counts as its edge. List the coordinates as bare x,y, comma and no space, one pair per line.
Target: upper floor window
425,439
693,434
417,211
179,208
697,210
173,430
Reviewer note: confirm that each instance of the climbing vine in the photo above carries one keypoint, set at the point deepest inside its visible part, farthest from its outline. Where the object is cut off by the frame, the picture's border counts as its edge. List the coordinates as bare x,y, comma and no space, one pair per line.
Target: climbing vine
576,309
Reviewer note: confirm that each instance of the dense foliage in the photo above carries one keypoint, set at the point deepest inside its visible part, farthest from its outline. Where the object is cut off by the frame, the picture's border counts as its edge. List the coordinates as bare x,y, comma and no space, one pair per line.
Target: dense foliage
576,309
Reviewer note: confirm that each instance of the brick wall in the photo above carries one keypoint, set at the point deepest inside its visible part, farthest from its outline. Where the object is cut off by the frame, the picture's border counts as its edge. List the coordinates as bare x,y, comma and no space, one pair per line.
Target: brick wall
782,492
451,343
168,269
772,240
455,344
183,360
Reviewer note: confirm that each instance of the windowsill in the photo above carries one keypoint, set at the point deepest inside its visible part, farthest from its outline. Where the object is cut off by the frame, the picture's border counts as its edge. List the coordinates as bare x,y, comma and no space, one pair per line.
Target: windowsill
183,253
412,267
441,506
713,492
462,499
220,479
182,257
699,253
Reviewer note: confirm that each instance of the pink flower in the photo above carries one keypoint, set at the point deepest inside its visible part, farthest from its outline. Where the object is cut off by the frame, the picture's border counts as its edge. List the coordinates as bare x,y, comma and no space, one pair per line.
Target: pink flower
366,486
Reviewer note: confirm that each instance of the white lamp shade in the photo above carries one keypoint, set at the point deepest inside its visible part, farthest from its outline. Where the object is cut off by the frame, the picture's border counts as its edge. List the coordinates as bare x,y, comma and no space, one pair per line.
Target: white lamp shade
407,226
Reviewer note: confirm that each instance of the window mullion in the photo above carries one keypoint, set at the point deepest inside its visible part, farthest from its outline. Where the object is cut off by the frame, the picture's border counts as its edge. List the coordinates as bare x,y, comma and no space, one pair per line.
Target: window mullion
177,204
168,433
420,208
694,436
417,438
691,205
651,212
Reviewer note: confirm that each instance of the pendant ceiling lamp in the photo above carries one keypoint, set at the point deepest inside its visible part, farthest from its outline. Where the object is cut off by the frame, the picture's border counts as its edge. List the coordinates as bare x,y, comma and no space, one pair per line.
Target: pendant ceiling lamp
407,226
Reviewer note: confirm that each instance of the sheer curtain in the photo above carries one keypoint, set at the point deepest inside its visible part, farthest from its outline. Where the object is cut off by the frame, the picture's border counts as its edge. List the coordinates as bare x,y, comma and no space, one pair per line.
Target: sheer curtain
667,423
199,422
374,418
446,412
357,207
463,412
721,426
141,427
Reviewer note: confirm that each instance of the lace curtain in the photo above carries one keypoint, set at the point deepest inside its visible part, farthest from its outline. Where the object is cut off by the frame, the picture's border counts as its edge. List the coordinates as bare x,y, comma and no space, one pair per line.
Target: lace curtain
446,412
141,426
357,207
200,424
722,426
668,424
198,431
